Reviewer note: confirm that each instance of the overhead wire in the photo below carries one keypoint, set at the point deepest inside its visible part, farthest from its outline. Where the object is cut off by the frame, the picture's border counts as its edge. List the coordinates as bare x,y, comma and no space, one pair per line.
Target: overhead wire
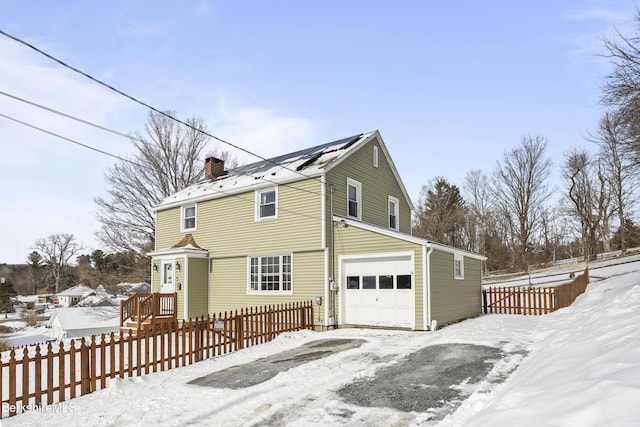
163,113
60,113
68,139
48,132
122,134
150,107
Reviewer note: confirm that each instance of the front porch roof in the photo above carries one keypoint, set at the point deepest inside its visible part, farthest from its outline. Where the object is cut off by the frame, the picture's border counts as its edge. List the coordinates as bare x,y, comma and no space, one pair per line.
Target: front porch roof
186,246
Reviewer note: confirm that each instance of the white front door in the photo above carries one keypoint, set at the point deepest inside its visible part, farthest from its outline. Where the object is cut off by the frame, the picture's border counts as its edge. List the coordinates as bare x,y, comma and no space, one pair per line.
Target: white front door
167,278
379,291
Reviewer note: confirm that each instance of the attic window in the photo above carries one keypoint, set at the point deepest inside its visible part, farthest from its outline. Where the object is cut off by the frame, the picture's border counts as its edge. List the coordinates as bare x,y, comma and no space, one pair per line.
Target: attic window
354,199
393,213
375,156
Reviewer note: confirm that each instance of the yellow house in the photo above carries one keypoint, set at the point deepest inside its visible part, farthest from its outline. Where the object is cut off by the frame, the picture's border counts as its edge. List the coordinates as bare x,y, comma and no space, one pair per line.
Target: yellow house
331,224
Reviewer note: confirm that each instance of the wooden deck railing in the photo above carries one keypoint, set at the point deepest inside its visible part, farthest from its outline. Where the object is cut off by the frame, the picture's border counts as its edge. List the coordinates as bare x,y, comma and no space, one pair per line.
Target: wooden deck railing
142,306
50,375
533,300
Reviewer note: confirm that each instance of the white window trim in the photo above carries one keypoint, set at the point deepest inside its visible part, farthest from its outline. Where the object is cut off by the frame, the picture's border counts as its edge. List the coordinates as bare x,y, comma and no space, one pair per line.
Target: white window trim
261,292
375,156
257,204
358,186
182,217
396,213
458,258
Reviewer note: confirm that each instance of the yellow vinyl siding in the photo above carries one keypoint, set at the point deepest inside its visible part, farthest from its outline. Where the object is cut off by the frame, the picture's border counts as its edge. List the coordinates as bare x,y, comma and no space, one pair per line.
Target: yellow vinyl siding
168,228
226,226
377,185
155,275
454,299
352,240
197,283
229,283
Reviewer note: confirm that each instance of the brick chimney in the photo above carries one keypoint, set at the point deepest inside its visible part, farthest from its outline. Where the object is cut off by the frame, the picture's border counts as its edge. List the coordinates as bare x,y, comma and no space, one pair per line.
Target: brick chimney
213,168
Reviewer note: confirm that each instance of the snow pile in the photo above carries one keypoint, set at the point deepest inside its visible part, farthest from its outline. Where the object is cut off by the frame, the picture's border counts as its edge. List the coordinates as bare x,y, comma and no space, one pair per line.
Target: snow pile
586,371
579,366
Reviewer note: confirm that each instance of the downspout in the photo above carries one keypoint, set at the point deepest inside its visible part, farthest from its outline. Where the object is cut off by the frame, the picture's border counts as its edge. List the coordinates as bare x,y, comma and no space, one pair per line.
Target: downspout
185,285
426,254
332,279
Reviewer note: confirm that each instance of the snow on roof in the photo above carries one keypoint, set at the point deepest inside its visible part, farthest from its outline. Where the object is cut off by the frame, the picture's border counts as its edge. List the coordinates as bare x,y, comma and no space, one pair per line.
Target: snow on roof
86,317
80,290
134,287
303,163
97,300
26,298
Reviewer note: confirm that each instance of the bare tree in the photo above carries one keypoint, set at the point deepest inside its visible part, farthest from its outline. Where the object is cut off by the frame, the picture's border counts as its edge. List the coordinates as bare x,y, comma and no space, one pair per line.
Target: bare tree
619,172
56,251
520,191
622,90
590,196
168,158
477,191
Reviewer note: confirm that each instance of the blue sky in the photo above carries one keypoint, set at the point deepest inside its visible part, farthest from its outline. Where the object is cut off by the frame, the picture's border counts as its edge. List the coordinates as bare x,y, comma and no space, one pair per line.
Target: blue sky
450,86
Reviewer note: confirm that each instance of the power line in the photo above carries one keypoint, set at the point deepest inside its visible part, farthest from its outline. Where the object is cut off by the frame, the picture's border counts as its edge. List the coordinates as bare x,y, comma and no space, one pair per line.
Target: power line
100,82
251,200
60,113
68,139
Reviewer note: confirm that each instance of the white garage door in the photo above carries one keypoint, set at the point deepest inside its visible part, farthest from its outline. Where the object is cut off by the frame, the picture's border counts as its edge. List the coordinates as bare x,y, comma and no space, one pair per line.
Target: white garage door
378,291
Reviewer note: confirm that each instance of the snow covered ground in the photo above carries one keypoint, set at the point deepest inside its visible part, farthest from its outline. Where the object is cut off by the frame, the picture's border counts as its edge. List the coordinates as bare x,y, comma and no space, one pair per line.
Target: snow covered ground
579,366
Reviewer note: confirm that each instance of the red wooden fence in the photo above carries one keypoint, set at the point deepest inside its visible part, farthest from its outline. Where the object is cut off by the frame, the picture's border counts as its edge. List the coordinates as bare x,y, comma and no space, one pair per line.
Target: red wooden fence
39,376
533,300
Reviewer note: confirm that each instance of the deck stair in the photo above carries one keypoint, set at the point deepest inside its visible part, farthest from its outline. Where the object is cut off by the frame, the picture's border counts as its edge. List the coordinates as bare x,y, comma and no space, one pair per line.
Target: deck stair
143,311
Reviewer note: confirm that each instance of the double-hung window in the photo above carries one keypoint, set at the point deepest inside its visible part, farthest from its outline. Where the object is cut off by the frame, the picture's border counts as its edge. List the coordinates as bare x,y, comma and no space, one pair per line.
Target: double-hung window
354,199
266,204
188,218
270,274
393,213
458,267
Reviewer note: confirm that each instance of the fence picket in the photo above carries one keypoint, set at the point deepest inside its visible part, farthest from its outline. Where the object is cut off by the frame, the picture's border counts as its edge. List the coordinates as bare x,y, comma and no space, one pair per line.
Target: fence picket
49,374
72,371
12,383
25,376
61,366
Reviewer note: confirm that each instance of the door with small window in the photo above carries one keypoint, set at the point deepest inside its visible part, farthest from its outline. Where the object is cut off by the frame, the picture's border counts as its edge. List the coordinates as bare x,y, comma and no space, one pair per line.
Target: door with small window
167,277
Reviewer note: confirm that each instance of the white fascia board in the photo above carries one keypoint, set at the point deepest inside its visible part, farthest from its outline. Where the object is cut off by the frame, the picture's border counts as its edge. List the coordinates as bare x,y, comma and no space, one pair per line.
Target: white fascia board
407,237
191,253
364,139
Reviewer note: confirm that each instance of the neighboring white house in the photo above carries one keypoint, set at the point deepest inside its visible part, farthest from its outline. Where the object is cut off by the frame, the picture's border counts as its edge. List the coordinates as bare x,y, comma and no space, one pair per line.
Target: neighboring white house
76,322
100,298
73,295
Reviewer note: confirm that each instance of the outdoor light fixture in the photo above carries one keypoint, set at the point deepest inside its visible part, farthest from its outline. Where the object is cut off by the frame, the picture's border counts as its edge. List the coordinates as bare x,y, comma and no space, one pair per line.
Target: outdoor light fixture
177,265
155,267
